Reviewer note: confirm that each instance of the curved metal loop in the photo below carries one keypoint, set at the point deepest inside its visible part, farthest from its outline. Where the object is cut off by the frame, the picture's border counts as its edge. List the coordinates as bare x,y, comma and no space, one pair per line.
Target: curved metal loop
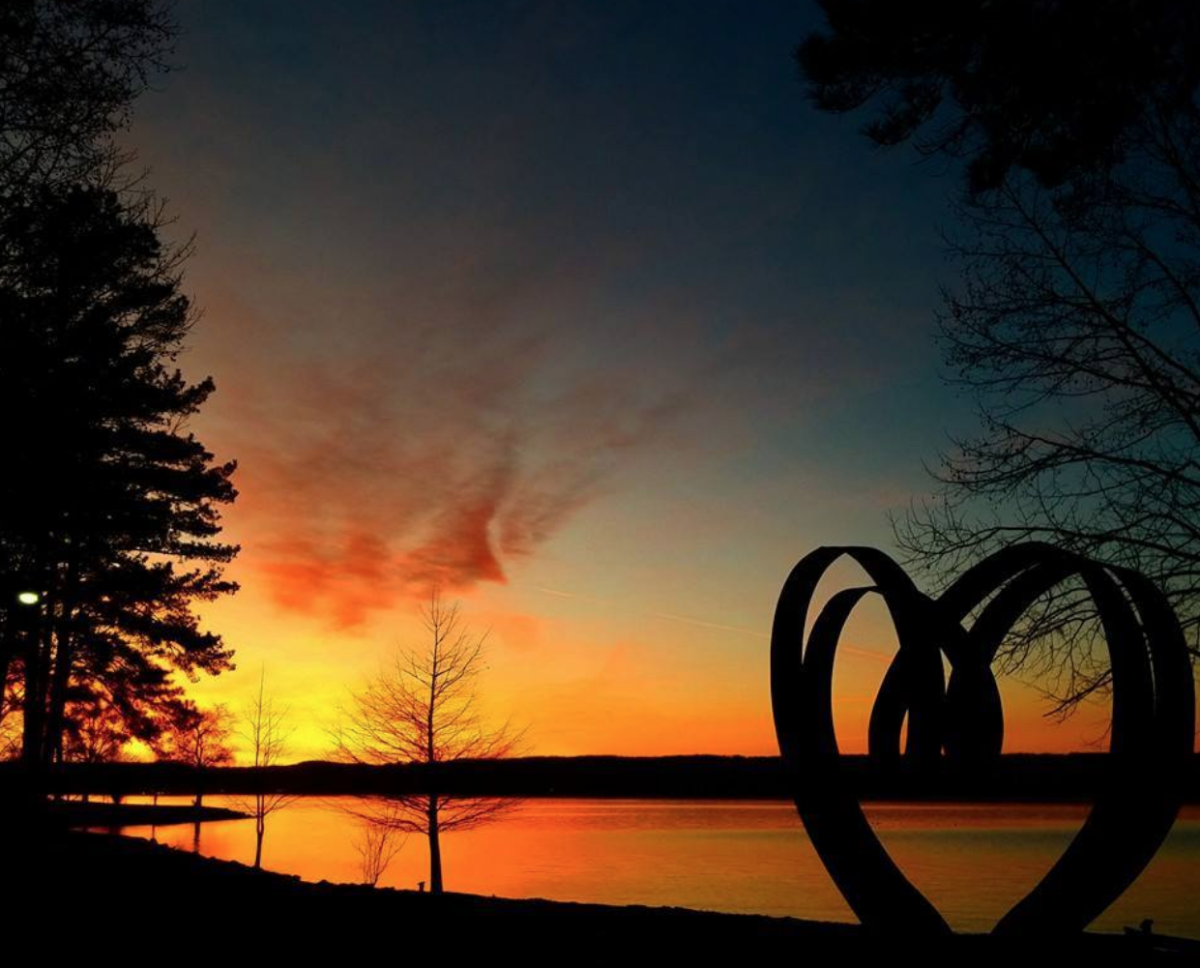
962,721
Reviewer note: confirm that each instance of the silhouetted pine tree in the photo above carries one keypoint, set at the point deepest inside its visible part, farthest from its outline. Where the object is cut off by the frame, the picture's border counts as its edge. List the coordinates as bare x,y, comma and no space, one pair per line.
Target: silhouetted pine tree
109,507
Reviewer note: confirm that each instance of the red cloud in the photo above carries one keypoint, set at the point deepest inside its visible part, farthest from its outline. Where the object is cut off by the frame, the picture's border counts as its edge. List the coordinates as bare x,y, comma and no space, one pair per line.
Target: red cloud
364,483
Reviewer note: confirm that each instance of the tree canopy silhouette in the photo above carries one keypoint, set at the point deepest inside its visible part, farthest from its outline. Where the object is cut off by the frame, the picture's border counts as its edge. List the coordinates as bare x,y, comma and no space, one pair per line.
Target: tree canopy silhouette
1057,88
110,509
199,738
69,72
105,495
1075,326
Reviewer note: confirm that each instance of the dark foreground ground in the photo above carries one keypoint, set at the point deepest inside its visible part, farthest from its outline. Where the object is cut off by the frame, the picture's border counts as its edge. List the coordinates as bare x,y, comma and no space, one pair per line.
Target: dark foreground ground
112,895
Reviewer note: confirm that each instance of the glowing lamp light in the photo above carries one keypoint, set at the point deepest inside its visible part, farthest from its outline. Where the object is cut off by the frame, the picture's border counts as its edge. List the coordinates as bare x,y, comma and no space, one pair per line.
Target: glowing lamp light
28,598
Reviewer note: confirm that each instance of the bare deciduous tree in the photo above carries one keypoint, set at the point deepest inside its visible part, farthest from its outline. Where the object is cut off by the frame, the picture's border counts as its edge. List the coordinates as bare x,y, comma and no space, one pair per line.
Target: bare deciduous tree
422,710
1077,332
1075,327
201,738
266,733
11,701
96,731
377,845
69,73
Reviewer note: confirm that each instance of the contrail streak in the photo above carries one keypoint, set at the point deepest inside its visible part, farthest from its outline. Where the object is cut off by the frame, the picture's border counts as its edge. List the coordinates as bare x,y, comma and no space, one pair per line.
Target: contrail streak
717,626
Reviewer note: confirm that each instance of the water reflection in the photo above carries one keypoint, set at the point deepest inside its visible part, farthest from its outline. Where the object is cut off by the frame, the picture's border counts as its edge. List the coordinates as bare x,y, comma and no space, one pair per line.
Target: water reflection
972,860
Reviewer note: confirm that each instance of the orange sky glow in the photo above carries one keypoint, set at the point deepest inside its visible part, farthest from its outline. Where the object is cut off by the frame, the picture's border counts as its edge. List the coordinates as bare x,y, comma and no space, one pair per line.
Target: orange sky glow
599,344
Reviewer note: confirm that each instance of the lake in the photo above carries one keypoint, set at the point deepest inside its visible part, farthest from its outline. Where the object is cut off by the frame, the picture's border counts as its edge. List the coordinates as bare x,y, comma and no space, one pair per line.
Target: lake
974,861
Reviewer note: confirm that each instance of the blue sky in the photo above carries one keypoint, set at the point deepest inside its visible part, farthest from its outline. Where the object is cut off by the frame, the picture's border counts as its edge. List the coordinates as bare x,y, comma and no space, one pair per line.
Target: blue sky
579,310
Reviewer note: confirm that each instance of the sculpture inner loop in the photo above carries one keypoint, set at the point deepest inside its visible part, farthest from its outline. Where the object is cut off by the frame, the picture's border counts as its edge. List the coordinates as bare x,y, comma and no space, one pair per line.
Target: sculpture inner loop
960,722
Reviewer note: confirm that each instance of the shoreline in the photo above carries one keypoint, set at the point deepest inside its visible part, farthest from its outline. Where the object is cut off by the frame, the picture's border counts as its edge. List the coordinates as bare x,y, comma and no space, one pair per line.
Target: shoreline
1014,778
77,814
135,875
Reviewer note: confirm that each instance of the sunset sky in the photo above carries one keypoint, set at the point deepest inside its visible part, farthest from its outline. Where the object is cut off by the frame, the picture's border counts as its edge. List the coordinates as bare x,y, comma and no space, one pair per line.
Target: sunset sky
579,310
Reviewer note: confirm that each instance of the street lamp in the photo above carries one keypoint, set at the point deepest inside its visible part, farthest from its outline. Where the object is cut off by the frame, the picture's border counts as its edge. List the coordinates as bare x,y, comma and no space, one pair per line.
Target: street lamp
28,598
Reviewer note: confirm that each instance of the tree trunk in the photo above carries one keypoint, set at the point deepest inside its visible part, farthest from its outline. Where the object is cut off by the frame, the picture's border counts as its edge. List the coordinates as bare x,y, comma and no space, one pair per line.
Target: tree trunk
59,681
34,708
33,775
7,647
260,828
59,624
435,848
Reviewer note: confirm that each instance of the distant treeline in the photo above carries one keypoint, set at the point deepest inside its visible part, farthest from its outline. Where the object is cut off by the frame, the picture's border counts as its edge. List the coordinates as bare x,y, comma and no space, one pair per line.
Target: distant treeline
1033,778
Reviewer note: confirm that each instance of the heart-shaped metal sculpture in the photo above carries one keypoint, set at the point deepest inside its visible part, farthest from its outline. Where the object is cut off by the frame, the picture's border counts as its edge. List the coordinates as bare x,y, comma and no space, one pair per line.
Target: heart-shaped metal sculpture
961,722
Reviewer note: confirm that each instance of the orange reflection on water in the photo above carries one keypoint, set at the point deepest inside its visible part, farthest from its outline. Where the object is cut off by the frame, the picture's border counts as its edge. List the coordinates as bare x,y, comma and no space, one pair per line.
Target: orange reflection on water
973,860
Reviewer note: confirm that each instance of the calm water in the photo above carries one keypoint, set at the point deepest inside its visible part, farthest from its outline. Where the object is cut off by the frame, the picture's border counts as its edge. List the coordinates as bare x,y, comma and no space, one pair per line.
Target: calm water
973,860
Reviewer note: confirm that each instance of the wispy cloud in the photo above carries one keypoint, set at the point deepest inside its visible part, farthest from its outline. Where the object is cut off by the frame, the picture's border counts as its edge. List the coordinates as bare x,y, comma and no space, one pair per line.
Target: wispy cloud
445,460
